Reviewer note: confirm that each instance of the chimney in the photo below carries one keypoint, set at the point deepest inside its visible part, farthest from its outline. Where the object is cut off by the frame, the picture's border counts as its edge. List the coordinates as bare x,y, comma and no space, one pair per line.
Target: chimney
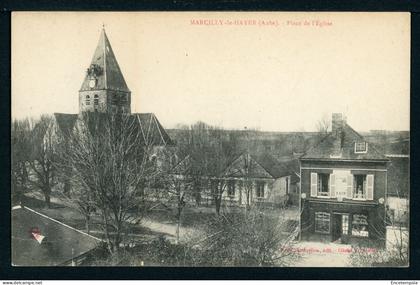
337,124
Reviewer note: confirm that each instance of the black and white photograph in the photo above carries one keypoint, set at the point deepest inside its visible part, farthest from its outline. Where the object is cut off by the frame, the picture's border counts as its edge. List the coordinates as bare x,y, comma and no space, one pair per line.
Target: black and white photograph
210,139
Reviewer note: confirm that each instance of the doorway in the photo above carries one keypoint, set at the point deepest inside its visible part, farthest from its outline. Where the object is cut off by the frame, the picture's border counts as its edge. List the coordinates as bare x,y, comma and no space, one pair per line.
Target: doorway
340,226
336,227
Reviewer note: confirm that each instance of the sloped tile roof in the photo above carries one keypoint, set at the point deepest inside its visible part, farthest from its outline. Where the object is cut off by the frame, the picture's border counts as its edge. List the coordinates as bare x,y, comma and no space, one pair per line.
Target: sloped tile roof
333,147
65,122
152,131
239,167
261,166
60,245
148,126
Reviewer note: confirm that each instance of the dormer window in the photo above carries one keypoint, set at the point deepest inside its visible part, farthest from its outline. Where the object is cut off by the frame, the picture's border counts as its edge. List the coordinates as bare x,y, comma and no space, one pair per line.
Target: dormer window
360,147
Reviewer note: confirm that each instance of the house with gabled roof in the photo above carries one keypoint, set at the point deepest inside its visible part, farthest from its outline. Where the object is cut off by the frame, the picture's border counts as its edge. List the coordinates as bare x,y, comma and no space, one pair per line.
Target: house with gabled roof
343,187
249,179
259,179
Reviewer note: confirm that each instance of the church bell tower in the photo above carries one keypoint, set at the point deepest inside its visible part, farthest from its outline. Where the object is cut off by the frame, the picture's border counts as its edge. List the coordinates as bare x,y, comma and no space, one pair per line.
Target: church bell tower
104,89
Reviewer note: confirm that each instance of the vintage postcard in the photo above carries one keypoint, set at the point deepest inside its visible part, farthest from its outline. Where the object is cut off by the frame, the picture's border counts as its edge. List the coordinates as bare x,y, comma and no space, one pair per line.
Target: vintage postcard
273,139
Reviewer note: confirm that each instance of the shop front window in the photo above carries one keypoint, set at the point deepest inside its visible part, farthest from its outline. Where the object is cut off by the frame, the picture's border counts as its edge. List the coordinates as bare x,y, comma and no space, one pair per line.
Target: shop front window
322,222
359,226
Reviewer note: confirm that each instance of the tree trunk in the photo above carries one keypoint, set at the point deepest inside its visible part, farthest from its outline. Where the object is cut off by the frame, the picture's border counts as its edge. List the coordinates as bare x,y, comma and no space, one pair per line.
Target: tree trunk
87,223
181,204
47,199
177,229
106,230
198,198
67,187
217,202
117,239
115,247
248,198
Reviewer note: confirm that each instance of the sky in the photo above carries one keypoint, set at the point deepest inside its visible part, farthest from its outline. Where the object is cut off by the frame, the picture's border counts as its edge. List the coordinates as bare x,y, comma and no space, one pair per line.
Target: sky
267,71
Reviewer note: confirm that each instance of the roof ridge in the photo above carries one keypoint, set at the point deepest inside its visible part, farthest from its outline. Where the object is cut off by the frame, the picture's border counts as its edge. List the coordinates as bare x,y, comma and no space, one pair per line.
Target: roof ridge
104,55
348,126
317,144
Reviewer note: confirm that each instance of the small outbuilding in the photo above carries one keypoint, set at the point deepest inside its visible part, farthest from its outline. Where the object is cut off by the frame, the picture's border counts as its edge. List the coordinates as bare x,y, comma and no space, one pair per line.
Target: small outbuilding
38,240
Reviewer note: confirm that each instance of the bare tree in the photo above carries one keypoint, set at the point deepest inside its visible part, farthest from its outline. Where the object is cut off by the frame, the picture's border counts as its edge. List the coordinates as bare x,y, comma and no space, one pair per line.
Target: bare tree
248,181
247,239
323,125
212,149
20,149
179,190
398,239
43,172
300,142
111,161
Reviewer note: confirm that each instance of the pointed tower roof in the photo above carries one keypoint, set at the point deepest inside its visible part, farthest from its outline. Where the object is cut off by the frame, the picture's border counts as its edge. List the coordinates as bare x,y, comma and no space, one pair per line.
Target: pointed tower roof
104,67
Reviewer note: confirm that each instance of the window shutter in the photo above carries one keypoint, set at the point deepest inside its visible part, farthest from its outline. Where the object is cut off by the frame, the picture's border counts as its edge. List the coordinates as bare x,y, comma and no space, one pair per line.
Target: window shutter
369,190
332,185
265,189
314,184
349,186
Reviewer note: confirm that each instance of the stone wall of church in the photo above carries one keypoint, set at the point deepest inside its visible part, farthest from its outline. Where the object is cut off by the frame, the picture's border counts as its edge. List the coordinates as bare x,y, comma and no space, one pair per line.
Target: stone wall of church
104,101
92,100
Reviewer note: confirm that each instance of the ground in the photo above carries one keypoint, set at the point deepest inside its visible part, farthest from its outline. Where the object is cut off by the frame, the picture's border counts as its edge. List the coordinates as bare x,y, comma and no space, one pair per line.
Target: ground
318,254
162,223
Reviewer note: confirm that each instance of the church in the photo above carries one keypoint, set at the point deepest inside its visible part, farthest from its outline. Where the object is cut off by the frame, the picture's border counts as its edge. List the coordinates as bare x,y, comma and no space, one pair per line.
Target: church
104,91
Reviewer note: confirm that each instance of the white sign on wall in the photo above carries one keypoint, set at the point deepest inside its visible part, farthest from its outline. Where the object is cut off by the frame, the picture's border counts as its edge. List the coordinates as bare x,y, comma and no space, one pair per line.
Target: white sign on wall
341,177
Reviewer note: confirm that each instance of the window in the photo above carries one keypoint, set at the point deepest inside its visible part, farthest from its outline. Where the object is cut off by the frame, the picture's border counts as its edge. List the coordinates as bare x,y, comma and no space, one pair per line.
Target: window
323,181
260,189
231,188
359,226
115,100
96,102
287,185
359,191
320,184
345,224
360,147
322,222
214,187
87,100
